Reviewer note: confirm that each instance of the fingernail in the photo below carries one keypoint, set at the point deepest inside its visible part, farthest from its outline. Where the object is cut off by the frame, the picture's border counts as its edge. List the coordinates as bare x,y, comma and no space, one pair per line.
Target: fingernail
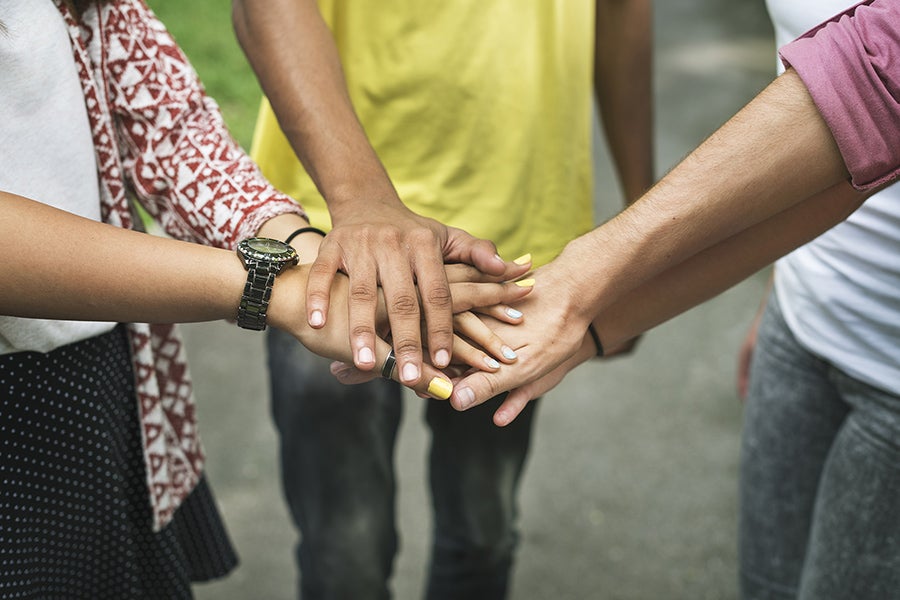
316,319
466,398
525,283
366,356
498,258
441,358
508,352
524,259
515,314
410,372
491,362
440,388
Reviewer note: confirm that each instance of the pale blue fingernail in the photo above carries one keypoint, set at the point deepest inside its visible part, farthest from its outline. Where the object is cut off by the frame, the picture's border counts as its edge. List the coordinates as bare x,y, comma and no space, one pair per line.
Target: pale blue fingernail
508,352
491,362
515,314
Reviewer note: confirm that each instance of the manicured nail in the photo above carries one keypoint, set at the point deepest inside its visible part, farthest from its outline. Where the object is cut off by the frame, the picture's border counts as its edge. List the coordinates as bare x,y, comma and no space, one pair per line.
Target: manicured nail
440,388
441,358
410,372
366,356
525,283
466,398
316,319
515,314
508,352
524,259
491,362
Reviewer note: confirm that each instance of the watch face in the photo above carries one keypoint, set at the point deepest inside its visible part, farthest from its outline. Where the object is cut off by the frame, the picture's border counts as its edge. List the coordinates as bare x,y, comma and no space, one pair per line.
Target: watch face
267,246
267,250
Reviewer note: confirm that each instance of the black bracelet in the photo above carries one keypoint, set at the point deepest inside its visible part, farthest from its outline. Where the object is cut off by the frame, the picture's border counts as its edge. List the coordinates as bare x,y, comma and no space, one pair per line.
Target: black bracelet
596,337
304,230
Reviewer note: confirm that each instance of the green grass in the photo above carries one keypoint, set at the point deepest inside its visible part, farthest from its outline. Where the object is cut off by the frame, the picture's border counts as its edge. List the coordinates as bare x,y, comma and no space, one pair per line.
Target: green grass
203,30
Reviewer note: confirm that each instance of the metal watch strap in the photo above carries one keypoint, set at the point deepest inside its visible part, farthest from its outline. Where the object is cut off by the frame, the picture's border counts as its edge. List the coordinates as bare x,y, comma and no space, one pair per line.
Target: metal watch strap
257,292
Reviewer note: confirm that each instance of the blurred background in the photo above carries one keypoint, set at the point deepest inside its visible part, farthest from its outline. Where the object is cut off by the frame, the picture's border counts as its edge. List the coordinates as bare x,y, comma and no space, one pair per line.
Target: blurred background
630,490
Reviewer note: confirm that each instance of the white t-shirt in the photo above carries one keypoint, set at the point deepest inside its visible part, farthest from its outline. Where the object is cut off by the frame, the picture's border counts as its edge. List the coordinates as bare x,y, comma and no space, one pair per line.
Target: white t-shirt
48,152
840,293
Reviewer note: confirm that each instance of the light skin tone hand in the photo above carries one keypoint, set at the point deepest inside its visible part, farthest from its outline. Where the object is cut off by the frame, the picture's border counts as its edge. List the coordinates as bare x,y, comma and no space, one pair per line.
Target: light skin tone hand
375,239
748,345
778,182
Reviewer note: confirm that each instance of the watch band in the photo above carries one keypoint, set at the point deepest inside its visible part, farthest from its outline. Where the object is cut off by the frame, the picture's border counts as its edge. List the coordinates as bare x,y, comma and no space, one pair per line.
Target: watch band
257,292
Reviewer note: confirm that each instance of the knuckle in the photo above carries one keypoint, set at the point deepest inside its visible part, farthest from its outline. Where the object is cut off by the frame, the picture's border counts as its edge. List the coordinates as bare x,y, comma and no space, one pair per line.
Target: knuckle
361,331
439,296
421,237
362,292
317,297
320,269
407,347
405,305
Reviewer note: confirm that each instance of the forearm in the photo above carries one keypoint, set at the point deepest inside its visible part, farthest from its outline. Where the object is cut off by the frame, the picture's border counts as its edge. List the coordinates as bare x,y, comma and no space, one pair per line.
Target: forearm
623,84
774,153
296,60
68,267
716,269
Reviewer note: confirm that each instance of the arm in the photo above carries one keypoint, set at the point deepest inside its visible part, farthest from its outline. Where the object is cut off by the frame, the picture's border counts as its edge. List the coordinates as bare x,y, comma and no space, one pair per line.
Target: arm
623,75
375,239
116,274
768,158
623,85
667,295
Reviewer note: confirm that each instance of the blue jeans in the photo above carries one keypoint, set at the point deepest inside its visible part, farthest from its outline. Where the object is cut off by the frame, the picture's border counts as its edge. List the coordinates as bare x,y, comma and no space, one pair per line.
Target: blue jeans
337,446
820,478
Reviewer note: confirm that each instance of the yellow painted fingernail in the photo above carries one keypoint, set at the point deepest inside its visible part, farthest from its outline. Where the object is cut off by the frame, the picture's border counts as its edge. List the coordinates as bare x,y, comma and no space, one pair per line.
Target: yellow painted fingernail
440,388
525,283
524,259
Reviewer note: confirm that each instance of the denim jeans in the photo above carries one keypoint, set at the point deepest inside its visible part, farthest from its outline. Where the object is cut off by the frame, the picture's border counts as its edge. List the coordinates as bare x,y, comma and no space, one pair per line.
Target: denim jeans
820,478
337,446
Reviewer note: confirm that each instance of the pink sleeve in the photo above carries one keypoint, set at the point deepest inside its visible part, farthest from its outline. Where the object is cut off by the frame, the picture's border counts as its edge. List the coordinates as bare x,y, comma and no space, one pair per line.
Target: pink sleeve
179,157
851,67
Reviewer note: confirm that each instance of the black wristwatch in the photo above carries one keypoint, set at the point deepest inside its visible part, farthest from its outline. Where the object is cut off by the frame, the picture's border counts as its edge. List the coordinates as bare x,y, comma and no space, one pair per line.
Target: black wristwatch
264,259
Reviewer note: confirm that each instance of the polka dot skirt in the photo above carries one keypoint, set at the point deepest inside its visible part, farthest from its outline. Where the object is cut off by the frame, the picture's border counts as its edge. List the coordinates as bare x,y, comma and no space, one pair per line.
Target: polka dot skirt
75,517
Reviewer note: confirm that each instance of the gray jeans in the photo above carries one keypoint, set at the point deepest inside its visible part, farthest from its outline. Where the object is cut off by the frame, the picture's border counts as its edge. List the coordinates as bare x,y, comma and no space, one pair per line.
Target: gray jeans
820,478
337,451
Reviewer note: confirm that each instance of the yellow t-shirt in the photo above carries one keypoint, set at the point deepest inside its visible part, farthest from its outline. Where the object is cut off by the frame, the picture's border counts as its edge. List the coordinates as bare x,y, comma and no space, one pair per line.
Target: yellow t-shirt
480,111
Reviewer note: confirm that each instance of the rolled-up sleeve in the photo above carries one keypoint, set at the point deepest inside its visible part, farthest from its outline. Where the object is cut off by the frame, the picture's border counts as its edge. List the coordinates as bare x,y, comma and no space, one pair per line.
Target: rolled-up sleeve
851,67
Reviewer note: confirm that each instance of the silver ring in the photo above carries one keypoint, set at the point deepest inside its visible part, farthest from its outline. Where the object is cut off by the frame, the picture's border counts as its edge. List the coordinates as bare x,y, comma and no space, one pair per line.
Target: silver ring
387,370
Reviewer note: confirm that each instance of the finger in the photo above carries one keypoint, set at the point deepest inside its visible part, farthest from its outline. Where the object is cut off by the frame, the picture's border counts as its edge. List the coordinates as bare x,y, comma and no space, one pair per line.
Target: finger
437,304
318,287
433,383
478,332
467,354
362,304
462,247
481,386
402,302
459,272
348,374
467,296
501,312
514,403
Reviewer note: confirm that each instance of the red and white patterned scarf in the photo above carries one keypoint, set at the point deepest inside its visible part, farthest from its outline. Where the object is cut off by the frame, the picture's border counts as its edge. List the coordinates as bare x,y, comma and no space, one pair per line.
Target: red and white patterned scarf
160,139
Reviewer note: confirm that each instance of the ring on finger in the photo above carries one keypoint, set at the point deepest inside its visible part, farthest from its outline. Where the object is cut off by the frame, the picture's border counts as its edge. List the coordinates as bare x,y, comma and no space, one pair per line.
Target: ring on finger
390,363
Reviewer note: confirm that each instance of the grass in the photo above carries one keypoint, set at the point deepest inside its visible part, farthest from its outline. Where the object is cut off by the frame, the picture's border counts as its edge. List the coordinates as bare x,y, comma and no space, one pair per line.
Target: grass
203,30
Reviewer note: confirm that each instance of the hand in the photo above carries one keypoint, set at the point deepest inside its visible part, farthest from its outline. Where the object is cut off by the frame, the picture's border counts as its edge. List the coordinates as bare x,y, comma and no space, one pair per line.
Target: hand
745,356
401,251
554,332
475,344
287,309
